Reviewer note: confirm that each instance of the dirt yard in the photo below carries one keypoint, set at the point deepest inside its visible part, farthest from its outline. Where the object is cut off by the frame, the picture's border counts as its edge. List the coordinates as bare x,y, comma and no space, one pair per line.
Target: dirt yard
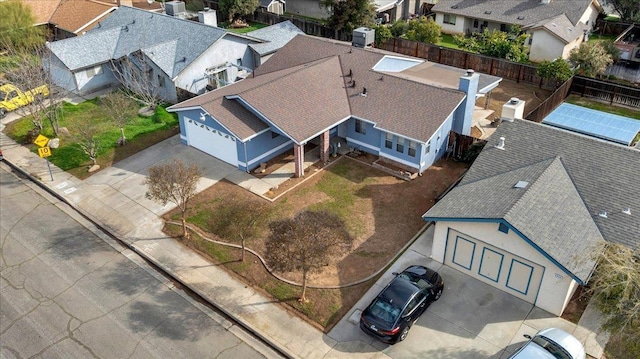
532,95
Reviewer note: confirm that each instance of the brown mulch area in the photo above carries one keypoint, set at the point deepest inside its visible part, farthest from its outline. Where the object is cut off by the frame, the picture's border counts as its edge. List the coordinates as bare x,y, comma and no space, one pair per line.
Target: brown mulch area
577,305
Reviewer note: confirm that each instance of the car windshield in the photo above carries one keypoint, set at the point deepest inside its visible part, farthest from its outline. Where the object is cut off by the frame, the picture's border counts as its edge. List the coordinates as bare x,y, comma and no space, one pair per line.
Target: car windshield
419,282
384,311
552,347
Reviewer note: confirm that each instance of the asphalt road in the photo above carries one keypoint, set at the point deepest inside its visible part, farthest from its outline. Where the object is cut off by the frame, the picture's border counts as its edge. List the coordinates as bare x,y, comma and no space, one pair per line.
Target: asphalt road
66,292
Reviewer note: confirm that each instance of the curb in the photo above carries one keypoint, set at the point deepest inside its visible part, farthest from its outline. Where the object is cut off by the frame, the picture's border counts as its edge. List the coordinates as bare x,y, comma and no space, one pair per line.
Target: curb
158,265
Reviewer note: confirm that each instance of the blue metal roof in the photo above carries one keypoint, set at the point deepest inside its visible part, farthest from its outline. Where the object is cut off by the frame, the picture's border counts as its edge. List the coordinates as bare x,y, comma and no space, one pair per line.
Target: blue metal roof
594,123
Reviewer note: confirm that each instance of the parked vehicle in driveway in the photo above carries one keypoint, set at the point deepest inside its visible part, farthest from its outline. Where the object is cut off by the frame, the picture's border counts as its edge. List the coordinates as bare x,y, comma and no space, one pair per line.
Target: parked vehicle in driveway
12,98
401,303
552,343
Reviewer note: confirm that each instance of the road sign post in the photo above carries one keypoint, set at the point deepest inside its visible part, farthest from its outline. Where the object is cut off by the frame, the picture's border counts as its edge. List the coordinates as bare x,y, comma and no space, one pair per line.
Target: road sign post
44,151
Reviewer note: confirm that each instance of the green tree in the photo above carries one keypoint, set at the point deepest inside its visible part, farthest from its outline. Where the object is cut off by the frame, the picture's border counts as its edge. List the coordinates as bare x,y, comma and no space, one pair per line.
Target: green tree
235,220
383,33
174,182
629,10
496,43
306,243
235,9
399,28
346,15
86,131
558,69
590,59
16,27
423,29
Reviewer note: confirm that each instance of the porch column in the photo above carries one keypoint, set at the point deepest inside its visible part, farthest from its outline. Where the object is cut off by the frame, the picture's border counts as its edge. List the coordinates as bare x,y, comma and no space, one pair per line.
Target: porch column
298,159
324,147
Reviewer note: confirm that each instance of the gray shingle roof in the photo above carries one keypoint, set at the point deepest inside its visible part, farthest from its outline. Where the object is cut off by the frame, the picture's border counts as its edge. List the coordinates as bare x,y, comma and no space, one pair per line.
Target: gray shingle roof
510,11
534,211
165,39
302,90
605,176
561,27
276,36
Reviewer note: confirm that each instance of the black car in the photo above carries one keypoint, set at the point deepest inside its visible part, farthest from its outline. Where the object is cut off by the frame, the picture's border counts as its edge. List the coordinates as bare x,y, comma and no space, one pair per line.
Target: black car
401,303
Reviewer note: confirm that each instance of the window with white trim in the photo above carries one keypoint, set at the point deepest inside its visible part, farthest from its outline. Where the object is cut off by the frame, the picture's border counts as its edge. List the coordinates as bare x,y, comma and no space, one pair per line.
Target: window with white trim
400,144
449,19
412,148
361,127
427,148
96,70
388,141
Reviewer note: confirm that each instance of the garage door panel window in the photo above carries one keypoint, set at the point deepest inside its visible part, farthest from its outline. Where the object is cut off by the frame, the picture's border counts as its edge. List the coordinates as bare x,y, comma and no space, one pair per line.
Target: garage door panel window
463,253
519,276
490,264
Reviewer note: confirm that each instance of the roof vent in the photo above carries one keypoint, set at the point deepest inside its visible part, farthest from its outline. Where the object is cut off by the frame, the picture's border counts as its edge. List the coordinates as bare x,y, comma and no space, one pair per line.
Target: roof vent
470,72
454,6
627,211
520,17
521,184
500,144
603,214
364,92
488,12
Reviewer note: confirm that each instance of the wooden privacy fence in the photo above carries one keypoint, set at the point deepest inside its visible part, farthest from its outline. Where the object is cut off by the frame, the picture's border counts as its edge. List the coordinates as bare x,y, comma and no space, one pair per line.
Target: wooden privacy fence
308,26
557,97
611,28
612,93
488,65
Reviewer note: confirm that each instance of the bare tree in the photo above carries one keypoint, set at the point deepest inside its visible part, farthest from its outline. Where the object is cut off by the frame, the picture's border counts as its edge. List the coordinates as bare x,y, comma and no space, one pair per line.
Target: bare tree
238,220
174,182
616,286
30,71
306,243
136,75
85,131
121,110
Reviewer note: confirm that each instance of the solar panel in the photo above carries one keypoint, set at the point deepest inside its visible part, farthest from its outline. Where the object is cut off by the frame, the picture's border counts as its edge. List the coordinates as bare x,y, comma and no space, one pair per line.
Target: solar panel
594,123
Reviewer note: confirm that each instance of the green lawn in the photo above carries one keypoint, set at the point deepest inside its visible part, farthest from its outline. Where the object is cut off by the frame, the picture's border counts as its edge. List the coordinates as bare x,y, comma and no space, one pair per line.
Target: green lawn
447,41
252,26
598,37
141,133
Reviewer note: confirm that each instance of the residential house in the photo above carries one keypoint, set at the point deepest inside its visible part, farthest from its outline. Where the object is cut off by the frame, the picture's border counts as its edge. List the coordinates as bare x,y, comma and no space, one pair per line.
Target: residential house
531,214
180,57
555,27
70,18
275,36
324,92
274,6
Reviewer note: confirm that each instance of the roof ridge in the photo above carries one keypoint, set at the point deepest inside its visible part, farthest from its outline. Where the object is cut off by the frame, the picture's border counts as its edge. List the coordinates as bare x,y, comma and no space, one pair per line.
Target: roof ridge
537,180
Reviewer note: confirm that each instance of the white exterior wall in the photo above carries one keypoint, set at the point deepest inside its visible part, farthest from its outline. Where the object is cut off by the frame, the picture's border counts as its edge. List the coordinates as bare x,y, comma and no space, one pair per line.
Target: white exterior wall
590,15
570,46
546,47
556,287
226,49
458,28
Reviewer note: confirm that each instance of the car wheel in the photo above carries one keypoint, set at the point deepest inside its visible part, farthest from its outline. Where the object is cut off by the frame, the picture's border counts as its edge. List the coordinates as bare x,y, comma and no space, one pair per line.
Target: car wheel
438,294
404,334
3,112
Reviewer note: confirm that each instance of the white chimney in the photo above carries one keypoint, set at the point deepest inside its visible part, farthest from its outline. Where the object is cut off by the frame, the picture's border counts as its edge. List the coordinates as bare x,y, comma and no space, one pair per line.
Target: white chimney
513,109
500,144
208,17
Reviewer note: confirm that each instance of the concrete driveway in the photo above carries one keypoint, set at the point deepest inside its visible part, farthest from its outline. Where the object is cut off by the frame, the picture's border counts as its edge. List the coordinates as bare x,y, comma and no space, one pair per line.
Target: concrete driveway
471,319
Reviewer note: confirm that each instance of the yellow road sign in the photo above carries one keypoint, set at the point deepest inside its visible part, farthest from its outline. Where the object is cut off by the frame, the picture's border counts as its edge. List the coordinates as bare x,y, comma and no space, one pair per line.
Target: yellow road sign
41,141
44,152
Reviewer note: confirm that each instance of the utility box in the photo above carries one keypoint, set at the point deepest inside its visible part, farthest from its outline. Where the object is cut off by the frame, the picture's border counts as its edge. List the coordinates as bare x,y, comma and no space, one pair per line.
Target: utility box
174,8
363,37
513,109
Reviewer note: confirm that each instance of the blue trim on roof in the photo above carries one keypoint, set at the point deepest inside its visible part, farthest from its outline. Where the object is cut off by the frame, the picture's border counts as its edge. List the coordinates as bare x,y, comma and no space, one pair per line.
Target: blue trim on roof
526,239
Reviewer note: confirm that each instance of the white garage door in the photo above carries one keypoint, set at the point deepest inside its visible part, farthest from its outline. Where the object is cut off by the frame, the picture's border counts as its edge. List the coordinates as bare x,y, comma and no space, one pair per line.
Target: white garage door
508,272
215,143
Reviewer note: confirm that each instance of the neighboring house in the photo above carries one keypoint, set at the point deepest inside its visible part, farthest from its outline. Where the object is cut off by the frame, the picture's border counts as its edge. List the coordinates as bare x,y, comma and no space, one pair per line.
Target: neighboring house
180,57
276,36
555,27
530,216
274,6
70,18
320,91
629,44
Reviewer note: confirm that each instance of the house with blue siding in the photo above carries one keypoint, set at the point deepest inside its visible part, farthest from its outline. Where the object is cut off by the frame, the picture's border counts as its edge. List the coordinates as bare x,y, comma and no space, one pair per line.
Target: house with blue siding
321,92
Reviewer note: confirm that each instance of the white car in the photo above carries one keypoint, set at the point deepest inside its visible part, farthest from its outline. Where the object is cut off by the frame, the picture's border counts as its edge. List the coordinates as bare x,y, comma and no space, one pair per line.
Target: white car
551,343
